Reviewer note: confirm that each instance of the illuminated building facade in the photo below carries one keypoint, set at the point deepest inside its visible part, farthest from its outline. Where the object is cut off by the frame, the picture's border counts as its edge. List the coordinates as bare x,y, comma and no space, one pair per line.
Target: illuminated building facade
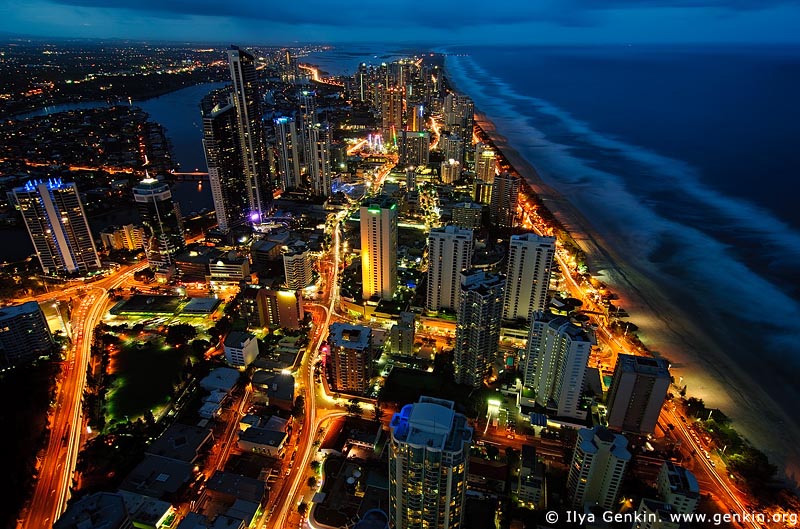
24,334
247,101
555,363
319,163
428,465
280,308
228,182
449,254
350,357
297,266
288,148
415,148
57,225
637,393
530,262
503,205
379,247
478,326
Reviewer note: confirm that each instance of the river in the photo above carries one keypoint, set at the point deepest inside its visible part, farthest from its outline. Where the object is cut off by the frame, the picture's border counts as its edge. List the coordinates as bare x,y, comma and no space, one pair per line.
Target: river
179,113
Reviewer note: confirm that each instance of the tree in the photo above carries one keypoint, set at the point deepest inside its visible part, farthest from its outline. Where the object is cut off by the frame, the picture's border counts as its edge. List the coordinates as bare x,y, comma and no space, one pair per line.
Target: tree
315,466
377,413
492,452
299,408
354,408
312,481
180,334
302,508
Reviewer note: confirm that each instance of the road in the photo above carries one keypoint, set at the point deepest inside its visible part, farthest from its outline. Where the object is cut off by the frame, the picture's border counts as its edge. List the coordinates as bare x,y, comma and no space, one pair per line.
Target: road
66,420
315,397
613,345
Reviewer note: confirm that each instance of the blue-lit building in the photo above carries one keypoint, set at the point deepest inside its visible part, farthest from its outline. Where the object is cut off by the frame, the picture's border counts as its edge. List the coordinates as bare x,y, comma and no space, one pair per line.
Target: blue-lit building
56,222
428,465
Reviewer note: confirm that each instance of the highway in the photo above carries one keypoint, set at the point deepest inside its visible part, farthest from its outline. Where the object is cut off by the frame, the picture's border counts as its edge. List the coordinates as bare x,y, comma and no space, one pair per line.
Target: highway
315,397
52,489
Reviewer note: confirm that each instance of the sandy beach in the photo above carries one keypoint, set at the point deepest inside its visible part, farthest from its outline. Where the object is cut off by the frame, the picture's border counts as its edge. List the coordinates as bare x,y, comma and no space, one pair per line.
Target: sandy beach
667,327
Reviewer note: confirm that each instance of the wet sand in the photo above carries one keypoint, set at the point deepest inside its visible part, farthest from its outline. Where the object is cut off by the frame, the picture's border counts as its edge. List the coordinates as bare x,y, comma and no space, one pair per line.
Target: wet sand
667,327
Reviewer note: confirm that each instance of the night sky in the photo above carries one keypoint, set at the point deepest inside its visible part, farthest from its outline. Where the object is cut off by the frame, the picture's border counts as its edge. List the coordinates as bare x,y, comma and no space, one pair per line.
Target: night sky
404,21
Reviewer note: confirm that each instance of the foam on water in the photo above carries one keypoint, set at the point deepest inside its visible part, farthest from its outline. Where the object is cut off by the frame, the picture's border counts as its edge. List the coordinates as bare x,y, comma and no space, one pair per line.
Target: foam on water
711,266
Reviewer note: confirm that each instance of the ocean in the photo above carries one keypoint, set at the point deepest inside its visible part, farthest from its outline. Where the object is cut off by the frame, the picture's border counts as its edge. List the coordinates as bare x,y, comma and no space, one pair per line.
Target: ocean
683,162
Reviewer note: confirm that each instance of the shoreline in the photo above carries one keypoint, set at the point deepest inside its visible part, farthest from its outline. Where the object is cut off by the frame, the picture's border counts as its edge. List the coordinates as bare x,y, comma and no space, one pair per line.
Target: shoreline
665,329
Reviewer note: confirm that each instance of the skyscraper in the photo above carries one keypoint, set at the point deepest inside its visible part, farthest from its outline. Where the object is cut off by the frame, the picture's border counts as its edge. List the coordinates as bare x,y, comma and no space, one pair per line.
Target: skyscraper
319,168
391,114
379,247
428,465
530,262
449,171
24,334
485,165
459,112
478,325
163,226
57,225
288,148
297,266
467,215
247,101
637,393
449,254
415,148
222,148
555,363
350,357
452,147
597,468
503,206
280,308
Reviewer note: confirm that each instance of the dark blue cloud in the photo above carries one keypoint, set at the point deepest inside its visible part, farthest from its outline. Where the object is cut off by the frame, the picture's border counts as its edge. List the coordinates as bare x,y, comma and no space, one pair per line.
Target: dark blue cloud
411,13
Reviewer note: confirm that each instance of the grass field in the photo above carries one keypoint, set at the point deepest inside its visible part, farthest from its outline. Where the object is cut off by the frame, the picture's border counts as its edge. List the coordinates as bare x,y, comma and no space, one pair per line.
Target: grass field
144,375
405,386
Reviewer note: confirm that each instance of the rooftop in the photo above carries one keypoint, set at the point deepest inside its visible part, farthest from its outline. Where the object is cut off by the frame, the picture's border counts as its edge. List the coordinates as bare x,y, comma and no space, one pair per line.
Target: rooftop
657,367
591,439
431,422
181,442
238,486
102,510
350,336
12,311
238,338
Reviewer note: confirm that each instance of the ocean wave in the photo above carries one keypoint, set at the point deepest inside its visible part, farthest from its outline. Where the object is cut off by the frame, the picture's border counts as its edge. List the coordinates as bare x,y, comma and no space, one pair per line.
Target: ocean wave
574,159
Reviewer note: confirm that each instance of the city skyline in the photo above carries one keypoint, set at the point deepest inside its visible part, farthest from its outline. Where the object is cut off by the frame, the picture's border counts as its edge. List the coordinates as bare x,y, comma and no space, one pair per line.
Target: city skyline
294,346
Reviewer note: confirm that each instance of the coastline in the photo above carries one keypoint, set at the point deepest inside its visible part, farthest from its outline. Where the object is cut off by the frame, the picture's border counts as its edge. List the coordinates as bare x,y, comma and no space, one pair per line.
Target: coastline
664,328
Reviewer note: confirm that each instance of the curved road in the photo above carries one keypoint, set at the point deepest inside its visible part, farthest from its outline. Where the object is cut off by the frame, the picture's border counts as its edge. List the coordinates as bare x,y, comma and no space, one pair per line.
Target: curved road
66,421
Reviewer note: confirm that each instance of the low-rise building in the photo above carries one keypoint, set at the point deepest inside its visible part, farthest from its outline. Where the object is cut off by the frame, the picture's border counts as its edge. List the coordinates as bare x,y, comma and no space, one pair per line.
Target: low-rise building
101,510
241,348
277,388
146,512
227,487
263,441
